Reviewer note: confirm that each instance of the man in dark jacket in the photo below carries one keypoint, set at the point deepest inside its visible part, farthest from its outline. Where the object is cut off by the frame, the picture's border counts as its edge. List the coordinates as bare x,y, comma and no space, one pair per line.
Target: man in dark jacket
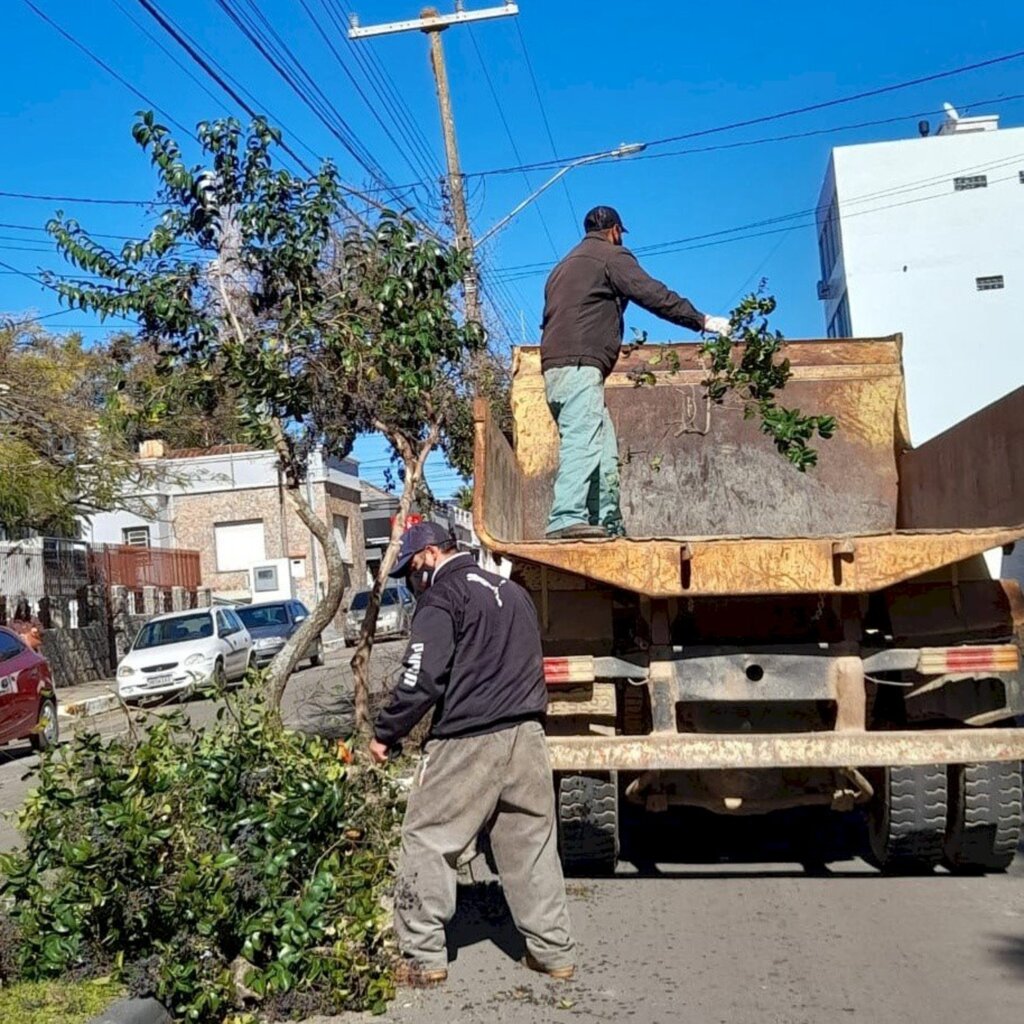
474,656
584,302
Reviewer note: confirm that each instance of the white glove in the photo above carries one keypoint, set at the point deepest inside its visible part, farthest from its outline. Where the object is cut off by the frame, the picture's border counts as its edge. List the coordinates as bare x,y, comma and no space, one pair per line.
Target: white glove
717,324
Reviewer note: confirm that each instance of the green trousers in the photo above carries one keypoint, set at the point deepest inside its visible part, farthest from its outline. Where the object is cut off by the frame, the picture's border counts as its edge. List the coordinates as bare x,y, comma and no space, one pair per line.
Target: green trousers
587,484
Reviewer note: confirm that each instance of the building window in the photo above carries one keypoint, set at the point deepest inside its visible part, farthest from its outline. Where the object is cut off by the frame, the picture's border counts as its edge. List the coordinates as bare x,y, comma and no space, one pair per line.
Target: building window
342,536
239,545
136,536
828,241
839,325
989,284
970,181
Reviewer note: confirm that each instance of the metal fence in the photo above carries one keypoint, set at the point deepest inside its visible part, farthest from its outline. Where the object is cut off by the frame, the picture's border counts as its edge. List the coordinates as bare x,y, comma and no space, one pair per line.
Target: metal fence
137,567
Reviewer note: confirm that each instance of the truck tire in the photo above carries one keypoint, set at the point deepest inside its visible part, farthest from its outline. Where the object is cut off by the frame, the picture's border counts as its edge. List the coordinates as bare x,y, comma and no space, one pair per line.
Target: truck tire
986,810
588,823
907,818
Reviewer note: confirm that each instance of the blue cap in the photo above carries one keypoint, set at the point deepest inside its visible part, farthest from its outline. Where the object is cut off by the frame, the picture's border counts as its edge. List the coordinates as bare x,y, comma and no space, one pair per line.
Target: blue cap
415,539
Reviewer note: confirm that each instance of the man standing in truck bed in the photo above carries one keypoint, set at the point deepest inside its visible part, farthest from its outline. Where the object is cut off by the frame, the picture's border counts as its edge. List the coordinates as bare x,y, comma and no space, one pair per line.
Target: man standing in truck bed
584,301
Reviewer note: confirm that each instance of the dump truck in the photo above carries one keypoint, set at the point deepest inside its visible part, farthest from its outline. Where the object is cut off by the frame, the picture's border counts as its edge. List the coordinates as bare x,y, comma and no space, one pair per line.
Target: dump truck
765,638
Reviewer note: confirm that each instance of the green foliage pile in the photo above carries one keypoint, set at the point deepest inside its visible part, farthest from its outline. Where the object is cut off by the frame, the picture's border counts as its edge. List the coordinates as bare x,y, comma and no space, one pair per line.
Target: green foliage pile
756,377
244,867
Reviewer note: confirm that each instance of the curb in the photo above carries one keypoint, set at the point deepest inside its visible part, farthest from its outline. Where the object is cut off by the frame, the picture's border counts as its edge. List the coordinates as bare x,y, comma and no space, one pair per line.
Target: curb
88,706
134,1011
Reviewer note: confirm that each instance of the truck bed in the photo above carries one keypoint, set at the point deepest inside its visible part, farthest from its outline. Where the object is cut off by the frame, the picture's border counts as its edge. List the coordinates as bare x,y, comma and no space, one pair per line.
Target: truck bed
712,508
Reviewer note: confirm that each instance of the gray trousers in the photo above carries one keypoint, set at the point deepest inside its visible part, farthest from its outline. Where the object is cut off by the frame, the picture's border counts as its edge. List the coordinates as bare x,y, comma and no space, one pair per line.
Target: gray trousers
503,778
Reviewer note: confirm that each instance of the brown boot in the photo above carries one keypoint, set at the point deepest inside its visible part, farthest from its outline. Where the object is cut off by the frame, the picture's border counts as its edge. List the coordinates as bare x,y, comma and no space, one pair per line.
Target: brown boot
558,973
409,974
580,531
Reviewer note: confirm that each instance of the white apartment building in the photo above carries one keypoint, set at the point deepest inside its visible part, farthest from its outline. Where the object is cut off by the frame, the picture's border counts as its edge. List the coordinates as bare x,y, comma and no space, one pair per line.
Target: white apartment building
925,237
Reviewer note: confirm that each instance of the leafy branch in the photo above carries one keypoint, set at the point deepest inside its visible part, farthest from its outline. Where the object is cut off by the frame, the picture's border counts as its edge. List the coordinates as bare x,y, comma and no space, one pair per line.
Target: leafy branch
757,376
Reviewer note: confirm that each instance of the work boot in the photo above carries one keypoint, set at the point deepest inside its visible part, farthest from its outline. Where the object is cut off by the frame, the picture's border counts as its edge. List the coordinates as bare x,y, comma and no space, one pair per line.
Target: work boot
409,974
579,531
558,973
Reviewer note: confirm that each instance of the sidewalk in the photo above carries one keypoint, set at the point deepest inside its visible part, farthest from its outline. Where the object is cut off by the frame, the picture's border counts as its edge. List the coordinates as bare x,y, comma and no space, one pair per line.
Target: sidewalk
87,699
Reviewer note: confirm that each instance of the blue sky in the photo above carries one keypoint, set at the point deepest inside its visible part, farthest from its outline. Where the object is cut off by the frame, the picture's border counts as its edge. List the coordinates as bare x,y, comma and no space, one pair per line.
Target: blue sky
607,73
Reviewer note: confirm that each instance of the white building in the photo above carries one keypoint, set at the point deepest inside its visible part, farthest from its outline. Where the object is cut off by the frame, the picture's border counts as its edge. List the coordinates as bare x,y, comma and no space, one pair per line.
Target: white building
925,237
229,504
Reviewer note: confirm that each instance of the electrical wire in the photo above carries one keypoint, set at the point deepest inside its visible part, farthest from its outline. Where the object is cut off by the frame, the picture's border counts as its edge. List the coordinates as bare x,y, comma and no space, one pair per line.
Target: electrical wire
106,67
576,222
661,248
767,118
411,157
511,137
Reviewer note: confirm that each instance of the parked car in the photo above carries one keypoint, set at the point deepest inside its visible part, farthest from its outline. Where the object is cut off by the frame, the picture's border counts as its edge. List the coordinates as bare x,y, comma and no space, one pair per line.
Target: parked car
28,701
183,650
396,608
270,625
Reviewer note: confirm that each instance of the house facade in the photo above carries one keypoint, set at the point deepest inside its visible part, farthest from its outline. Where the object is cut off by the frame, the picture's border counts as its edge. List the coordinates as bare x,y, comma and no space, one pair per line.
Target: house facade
230,504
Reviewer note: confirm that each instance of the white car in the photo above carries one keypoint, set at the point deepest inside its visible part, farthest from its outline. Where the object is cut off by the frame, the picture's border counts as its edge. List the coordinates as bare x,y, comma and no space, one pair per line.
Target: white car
185,650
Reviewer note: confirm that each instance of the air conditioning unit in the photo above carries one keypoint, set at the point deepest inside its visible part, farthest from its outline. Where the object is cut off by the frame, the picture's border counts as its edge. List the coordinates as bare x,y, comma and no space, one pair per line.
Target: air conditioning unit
824,290
271,580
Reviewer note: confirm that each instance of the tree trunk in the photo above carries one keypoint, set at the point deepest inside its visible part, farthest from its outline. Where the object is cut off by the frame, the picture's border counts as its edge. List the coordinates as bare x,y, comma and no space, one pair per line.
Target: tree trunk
325,609
414,463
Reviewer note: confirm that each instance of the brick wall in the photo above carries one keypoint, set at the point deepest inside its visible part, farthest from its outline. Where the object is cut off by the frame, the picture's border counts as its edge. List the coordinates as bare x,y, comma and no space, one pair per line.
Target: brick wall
285,535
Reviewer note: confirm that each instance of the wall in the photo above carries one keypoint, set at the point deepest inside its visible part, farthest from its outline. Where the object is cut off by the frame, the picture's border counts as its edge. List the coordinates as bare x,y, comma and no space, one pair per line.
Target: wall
911,258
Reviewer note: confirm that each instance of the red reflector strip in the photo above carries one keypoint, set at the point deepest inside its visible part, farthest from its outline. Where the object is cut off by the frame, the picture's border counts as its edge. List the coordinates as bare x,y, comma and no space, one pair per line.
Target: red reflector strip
990,658
578,669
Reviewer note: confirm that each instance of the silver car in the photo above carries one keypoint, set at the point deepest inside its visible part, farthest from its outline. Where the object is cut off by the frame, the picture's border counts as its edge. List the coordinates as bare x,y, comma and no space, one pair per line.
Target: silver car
393,619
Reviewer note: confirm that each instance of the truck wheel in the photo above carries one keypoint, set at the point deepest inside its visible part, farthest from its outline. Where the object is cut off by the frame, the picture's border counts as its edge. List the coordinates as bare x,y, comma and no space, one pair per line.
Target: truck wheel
985,816
588,823
907,818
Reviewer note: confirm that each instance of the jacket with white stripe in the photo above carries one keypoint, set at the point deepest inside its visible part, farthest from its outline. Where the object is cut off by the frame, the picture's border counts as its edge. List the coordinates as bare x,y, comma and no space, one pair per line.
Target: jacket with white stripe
474,654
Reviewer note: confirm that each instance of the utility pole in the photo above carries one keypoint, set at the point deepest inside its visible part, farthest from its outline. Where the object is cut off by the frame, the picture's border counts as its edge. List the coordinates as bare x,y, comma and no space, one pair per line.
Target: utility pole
433,24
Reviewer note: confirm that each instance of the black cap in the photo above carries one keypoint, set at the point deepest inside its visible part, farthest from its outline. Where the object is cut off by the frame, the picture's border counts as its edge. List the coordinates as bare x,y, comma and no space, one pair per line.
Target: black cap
601,218
416,538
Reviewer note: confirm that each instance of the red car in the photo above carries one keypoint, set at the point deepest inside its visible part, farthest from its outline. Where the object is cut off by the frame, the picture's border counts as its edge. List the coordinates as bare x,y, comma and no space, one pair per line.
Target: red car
28,702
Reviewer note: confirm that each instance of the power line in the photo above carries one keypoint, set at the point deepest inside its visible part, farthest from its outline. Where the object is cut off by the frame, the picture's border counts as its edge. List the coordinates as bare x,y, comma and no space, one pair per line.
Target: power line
417,167
677,246
508,132
36,197
106,67
544,117
378,76
766,118
280,57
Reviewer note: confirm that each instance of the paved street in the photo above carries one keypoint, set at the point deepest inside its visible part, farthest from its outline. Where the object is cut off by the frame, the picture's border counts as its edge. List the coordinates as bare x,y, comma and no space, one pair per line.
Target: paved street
723,925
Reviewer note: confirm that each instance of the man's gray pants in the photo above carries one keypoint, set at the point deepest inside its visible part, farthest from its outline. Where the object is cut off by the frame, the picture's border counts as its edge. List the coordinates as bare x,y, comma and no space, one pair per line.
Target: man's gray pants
462,785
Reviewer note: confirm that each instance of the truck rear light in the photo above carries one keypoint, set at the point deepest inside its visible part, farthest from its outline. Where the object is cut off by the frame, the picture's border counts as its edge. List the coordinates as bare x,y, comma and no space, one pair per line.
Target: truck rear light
935,661
577,669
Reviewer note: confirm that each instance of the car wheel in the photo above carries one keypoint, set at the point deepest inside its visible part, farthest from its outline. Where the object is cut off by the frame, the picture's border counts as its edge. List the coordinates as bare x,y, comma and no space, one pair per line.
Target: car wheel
220,677
47,730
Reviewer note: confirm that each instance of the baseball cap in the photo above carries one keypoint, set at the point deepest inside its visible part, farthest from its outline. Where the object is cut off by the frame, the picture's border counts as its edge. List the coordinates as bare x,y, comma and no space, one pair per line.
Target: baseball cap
601,218
414,540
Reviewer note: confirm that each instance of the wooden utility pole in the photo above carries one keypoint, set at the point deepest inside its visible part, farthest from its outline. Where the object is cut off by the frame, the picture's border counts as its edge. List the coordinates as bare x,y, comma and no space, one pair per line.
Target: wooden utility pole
433,24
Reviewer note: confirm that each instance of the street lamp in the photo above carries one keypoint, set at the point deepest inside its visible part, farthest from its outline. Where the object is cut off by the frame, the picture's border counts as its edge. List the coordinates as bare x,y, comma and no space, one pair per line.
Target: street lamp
625,149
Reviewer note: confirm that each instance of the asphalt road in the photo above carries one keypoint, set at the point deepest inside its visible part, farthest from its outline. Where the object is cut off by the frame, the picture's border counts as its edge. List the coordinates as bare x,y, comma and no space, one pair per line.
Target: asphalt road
722,925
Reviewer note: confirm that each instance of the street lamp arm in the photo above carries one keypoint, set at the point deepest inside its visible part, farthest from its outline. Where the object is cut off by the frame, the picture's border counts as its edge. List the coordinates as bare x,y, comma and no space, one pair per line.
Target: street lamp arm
626,149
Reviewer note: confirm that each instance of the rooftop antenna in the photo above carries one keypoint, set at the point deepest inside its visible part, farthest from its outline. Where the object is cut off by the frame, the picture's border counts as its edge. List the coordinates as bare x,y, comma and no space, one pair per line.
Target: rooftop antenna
951,112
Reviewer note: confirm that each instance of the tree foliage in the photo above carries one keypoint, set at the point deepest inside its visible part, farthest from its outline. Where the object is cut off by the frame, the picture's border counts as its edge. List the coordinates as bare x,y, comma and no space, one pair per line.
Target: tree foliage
60,458
256,287
757,375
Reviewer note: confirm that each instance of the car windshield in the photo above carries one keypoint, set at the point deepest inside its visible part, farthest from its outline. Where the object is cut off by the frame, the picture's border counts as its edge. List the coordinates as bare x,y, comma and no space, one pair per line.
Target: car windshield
362,599
174,631
263,615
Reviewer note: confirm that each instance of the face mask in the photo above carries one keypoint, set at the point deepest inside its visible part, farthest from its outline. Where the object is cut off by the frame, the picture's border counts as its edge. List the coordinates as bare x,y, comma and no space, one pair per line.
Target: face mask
418,582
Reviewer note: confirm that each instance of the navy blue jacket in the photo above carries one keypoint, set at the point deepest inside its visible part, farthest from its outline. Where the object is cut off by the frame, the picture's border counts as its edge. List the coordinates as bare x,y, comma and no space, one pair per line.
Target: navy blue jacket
474,654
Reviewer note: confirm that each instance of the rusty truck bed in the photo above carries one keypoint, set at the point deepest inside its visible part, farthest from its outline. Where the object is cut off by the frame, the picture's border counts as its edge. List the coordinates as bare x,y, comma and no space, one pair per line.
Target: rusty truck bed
711,507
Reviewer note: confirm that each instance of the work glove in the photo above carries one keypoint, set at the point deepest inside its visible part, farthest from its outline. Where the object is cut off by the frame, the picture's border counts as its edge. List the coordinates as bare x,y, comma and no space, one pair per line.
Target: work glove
717,324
